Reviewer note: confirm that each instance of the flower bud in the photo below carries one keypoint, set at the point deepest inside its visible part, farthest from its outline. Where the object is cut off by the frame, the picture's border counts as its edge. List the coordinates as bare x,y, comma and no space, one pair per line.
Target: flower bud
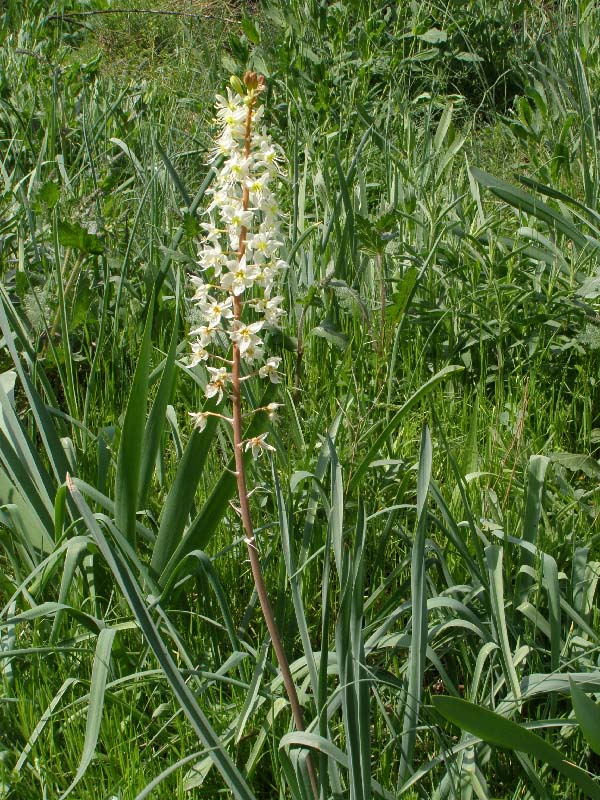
237,85
251,81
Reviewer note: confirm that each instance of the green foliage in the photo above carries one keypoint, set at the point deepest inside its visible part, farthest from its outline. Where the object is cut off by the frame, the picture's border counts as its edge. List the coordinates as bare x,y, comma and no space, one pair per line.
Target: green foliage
429,522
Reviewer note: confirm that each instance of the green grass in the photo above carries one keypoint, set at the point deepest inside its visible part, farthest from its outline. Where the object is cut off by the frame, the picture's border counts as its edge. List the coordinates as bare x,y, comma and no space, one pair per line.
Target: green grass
394,524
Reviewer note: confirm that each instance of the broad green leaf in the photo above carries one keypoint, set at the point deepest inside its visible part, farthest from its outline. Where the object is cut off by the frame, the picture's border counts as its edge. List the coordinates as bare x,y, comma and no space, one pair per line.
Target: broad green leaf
533,511
493,557
181,496
327,329
433,36
49,193
587,714
158,413
250,29
532,205
577,462
418,584
44,422
72,234
502,732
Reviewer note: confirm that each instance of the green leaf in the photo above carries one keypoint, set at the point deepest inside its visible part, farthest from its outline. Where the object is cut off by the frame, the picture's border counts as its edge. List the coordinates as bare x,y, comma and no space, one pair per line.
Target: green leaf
472,58
96,704
157,417
587,714
180,499
493,558
533,512
418,644
186,698
131,446
250,29
434,36
71,234
502,732
577,462
330,331
532,205
49,193
400,298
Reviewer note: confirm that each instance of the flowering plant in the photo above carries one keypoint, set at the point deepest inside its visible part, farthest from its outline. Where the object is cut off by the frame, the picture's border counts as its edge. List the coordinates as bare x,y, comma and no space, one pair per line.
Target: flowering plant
236,295
236,292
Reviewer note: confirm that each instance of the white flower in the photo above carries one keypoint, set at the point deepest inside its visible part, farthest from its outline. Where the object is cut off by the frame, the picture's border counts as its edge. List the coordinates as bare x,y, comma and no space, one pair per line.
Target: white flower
198,353
202,289
271,410
244,335
257,185
267,156
253,353
240,276
215,310
205,334
220,377
236,169
269,369
232,103
200,419
270,308
258,445
239,250
212,232
212,257
236,215
262,246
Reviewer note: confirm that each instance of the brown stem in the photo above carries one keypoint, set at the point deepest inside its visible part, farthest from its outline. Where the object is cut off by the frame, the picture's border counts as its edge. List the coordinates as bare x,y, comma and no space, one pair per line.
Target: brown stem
245,514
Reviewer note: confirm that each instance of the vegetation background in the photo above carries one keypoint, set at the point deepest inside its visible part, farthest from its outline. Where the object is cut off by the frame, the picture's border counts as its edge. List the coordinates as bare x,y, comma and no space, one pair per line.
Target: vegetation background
429,524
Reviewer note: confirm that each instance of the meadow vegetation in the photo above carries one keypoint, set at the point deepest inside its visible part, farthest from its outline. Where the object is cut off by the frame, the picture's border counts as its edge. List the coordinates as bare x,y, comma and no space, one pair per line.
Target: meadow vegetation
428,522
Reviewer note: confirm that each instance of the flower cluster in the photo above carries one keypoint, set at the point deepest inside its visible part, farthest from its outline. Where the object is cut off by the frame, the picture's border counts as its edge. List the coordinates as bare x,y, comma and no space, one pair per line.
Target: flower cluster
236,290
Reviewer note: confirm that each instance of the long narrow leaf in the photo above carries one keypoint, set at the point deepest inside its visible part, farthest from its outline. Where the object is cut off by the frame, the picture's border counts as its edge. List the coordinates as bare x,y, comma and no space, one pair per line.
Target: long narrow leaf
129,458
418,645
183,693
96,704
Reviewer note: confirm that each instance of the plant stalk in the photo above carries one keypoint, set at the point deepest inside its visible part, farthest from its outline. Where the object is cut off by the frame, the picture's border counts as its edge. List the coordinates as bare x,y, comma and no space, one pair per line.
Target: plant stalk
245,514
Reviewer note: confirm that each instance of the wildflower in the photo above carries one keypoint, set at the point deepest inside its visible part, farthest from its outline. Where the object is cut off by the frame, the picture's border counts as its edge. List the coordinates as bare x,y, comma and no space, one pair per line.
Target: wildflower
199,353
239,248
215,310
241,276
258,445
216,385
272,409
269,369
200,419
253,353
245,335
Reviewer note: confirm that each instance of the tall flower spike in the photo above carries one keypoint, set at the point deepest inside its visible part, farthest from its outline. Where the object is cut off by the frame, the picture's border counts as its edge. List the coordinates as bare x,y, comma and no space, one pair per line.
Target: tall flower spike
238,256
240,265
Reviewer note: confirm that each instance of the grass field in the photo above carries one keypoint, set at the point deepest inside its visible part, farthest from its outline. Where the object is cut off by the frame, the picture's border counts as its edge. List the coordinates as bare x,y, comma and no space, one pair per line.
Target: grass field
428,522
